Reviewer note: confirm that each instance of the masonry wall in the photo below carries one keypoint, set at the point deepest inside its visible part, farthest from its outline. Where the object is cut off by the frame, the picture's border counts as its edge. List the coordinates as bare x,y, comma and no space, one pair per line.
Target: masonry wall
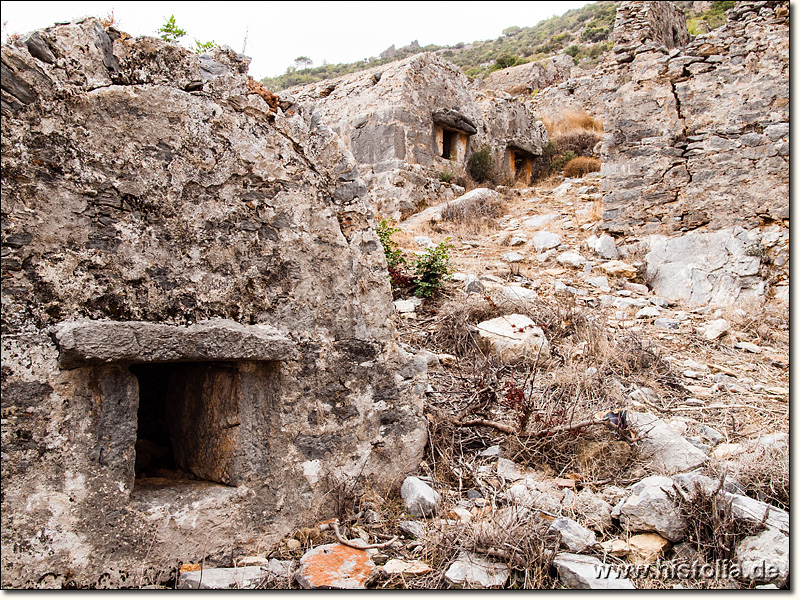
697,135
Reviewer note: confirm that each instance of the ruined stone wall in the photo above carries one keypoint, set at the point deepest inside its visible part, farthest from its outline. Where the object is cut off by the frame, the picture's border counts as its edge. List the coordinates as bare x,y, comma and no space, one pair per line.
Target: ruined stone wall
158,208
640,23
385,116
699,134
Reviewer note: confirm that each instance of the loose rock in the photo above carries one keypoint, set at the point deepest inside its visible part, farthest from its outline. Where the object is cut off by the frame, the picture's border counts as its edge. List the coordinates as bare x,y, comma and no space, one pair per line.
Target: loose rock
420,499
335,566
473,571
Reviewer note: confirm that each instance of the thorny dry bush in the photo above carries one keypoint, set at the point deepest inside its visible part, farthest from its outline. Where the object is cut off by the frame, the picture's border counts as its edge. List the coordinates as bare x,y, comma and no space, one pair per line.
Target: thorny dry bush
474,216
713,531
513,535
763,472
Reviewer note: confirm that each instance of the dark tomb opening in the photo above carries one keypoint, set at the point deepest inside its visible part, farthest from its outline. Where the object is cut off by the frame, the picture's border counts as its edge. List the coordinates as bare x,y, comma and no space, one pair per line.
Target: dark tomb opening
187,421
448,142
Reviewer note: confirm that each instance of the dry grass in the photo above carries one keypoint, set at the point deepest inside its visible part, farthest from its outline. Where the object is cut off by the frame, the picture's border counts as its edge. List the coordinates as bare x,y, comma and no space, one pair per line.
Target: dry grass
578,167
474,215
764,473
572,121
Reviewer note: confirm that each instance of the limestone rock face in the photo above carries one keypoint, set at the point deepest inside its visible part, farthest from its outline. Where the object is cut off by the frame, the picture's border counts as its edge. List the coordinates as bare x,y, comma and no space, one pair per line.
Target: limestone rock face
537,75
173,239
717,267
408,121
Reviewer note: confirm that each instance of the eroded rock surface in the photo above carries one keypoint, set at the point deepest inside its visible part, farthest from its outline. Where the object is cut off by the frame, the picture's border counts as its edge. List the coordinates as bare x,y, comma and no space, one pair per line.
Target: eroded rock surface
147,189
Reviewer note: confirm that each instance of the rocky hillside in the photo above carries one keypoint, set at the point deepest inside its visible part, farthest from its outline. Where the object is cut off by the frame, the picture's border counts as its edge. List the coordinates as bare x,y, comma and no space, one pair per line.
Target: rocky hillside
582,34
605,427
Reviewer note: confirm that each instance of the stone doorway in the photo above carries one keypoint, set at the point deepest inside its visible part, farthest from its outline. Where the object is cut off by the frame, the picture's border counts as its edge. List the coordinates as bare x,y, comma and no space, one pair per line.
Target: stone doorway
187,421
520,165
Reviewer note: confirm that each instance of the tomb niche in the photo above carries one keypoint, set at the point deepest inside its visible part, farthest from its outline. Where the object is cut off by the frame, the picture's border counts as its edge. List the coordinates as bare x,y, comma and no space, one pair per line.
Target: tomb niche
452,131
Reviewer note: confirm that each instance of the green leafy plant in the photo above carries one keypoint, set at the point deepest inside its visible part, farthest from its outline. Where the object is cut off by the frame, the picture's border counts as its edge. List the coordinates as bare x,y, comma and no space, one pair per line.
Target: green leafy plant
432,268
481,164
201,47
394,256
170,32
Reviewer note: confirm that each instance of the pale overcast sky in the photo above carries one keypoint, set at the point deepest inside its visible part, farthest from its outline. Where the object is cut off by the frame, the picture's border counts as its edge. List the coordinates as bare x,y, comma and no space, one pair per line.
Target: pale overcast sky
279,32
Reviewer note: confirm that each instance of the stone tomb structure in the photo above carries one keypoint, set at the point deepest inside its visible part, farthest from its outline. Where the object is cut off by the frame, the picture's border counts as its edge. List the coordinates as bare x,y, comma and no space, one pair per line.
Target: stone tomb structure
409,121
196,319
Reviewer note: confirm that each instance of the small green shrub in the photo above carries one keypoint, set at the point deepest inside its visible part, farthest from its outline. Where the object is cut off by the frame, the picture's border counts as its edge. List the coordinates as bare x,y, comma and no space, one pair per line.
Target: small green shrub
385,231
170,32
481,164
202,47
432,268
559,161
446,176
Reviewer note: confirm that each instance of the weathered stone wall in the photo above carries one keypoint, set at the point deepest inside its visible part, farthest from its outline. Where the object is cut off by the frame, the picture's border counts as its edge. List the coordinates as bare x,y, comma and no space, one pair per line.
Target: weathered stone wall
699,135
155,209
385,116
640,23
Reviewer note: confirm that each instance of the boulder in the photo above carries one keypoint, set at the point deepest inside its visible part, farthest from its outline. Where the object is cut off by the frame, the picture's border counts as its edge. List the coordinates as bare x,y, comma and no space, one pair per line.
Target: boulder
667,452
473,285
240,578
538,221
604,246
715,329
572,259
650,507
579,572
512,337
592,511
617,268
600,282
415,529
574,536
544,240
336,566
764,558
640,549
509,470
396,566
476,572
706,267
421,500
517,293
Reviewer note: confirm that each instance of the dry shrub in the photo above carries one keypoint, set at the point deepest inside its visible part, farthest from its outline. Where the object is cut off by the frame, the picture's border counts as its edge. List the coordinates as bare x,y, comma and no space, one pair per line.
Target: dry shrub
453,333
580,143
514,536
712,529
343,494
571,121
578,167
478,209
764,473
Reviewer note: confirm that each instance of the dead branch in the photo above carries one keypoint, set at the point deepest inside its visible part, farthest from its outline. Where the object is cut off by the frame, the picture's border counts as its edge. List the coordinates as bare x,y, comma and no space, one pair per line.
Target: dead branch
513,430
358,545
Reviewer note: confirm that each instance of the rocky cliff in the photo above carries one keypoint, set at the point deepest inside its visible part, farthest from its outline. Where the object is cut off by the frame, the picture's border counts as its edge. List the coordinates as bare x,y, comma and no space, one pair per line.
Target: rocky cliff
411,120
179,250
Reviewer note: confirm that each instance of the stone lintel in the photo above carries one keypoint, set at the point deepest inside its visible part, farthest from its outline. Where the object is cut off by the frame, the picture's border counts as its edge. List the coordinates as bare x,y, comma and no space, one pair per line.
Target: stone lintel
455,120
523,146
86,342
